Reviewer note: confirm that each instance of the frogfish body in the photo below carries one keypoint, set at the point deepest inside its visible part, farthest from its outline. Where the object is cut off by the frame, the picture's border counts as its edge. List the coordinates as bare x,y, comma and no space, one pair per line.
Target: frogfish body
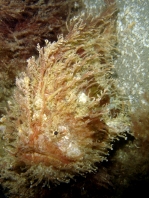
67,109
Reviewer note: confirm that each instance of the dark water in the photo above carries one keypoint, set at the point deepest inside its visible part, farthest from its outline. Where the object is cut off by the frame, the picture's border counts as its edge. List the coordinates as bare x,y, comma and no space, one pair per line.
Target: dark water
1,193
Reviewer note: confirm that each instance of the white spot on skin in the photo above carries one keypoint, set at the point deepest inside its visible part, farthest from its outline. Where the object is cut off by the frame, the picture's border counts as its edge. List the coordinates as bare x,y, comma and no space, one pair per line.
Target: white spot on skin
82,97
73,150
2,128
69,146
62,128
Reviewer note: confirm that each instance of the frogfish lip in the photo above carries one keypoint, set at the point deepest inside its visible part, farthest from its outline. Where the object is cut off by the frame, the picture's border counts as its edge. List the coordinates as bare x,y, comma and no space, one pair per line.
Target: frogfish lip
47,153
